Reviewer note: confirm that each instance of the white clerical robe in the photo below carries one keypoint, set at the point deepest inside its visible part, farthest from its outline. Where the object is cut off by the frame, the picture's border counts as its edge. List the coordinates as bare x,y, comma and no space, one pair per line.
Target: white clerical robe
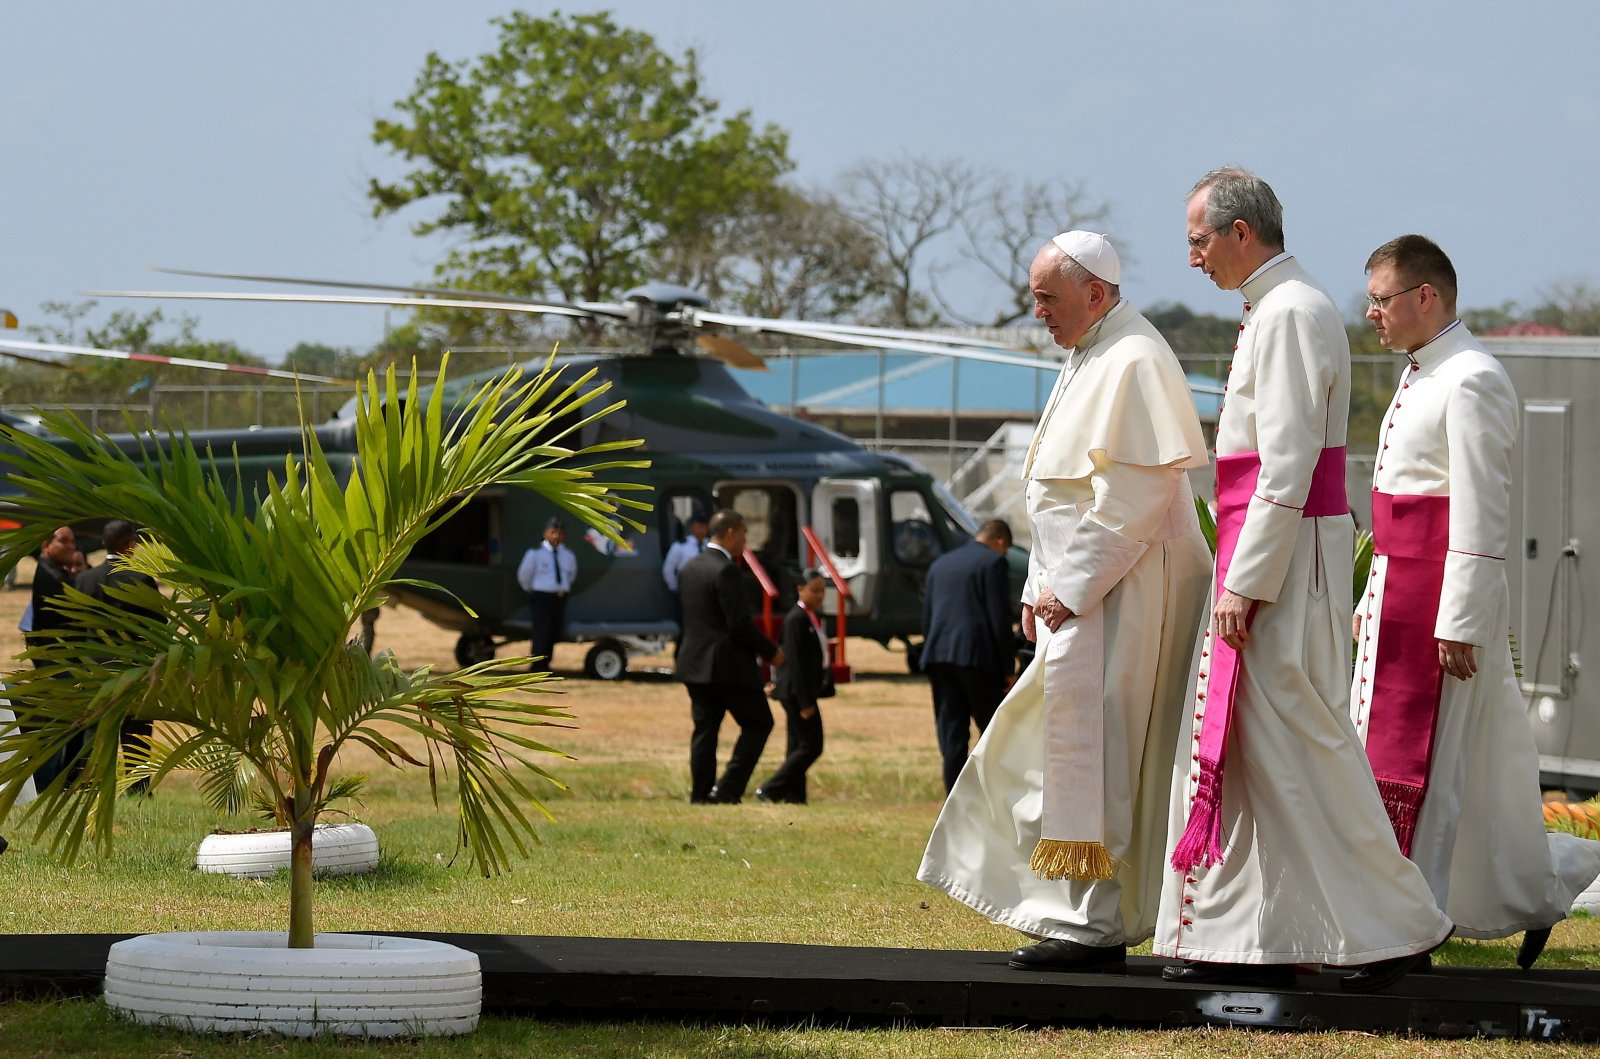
1480,837
1311,871
8,720
1115,537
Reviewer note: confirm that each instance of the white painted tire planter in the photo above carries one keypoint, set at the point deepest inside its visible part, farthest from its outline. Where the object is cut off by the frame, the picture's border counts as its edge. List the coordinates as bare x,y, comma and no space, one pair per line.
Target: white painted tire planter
250,981
1589,900
336,849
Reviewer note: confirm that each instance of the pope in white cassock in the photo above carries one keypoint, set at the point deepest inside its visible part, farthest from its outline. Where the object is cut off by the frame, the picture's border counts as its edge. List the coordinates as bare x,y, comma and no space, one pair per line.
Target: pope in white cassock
1435,694
1057,824
1281,849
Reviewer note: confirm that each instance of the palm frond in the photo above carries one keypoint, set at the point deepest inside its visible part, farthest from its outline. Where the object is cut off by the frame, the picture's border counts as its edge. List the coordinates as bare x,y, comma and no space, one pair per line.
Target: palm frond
245,666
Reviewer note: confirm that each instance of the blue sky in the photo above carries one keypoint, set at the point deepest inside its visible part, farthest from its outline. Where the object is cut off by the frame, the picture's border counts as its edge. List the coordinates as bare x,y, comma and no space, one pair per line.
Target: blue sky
236,136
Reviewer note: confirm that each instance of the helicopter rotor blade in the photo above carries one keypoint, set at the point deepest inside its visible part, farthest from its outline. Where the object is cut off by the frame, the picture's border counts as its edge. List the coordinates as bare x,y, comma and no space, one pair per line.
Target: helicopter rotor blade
352,299
988,354
614,309
910,341
152,358
43,361
734,354
808,329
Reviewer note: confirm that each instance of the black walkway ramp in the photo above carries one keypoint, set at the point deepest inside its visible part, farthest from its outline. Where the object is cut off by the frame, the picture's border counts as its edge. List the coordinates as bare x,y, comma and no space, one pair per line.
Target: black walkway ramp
609,978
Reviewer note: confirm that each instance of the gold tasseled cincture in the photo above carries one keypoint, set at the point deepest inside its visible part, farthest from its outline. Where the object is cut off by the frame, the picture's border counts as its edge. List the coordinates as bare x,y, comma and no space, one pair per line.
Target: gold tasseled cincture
1055,859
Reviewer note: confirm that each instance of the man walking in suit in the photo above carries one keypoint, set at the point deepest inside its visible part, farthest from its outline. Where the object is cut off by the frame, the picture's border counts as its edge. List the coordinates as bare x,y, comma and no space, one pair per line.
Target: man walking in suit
106,583
968,649
718,663
46,624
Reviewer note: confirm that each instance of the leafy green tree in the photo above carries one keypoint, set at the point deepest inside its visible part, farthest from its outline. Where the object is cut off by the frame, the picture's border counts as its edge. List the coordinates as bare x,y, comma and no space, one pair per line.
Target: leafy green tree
315,358
567,159
1571,304
1491,318
247,670
87,380
1194,335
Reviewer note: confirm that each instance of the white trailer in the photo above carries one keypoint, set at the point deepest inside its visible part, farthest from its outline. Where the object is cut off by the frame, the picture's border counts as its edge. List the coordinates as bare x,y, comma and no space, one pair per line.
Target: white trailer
1555,517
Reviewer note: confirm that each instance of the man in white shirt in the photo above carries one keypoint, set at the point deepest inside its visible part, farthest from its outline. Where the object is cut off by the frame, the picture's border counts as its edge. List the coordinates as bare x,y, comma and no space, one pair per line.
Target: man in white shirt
1435,695
683,549
1282,852
546,574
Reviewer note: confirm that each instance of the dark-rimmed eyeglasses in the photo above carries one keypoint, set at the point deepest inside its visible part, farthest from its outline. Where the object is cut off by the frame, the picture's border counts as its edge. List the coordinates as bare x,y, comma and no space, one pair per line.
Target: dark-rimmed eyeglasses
1379,302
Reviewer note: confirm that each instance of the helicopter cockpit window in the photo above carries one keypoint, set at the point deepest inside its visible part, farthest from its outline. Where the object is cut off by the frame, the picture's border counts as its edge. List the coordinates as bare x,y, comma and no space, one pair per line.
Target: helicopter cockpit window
915,537
846,517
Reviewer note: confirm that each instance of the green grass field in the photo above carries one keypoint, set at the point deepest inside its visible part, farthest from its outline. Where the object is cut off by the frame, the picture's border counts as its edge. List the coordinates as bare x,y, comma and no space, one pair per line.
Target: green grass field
627,856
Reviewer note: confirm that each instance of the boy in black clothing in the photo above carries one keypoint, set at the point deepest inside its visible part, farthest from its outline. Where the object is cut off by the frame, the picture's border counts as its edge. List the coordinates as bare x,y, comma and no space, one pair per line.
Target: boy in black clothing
803,678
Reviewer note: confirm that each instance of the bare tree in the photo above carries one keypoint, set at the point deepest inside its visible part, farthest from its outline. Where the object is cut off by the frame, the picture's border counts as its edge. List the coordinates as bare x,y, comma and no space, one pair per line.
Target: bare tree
810,260
797,255
1010,220
907,205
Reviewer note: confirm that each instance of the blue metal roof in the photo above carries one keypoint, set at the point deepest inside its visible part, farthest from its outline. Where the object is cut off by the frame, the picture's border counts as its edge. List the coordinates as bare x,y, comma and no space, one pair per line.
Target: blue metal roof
848,382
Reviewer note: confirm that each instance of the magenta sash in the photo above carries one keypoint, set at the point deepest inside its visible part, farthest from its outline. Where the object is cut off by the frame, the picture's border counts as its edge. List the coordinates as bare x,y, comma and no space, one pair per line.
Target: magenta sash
1413,532
1201,842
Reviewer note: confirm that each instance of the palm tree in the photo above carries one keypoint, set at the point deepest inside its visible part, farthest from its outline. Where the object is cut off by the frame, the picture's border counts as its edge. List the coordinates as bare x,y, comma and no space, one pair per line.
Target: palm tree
247,668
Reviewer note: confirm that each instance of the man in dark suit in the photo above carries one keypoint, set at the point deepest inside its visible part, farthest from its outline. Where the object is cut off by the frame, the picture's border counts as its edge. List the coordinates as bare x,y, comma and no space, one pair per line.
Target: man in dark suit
968,648
46,624
718,661
120,539
802,679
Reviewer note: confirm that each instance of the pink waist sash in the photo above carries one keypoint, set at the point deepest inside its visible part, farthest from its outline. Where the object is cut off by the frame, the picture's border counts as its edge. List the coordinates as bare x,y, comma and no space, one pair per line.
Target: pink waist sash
1413,534
1201,842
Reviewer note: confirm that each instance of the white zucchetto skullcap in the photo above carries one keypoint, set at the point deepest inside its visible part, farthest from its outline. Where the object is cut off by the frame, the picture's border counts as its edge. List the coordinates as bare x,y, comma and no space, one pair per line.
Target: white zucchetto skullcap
1094,252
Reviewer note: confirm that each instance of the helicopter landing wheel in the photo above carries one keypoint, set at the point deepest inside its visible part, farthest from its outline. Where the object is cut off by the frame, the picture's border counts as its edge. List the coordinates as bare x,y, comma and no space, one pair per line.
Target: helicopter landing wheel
606,660
474,647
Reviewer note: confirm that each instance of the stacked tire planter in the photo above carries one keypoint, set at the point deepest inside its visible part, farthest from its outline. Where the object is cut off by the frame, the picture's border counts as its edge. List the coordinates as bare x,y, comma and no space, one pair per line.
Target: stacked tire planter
251,981
336,849
1589,900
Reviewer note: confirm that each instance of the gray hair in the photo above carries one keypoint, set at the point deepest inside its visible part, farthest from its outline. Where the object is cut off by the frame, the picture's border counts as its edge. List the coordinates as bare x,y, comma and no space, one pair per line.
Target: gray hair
1239,195
1080,276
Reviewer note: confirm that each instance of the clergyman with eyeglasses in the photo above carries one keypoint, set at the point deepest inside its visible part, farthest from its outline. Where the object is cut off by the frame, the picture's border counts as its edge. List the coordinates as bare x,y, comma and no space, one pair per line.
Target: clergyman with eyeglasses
1280,850
1435,695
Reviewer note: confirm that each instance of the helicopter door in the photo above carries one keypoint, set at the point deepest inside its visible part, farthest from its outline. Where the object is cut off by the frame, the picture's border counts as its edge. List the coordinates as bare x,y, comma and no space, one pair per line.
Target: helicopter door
844,514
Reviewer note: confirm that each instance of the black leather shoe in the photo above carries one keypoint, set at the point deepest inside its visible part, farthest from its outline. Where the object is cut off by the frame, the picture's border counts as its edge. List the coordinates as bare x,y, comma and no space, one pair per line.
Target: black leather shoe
1533,942
763,796
722,799
1058,954
1238,975
4,845
1376,977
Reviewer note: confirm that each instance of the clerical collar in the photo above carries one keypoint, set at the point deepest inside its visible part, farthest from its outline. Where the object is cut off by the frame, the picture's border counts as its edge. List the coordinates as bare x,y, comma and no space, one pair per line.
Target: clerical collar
1427,351
1265,265
1091,336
